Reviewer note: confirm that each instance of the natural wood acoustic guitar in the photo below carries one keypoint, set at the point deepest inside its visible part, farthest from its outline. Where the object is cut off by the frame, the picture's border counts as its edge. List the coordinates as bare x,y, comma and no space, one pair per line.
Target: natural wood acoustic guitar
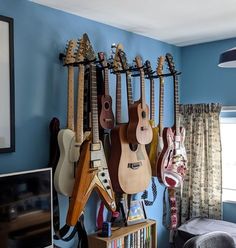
129,165
139,130
92,172
172,161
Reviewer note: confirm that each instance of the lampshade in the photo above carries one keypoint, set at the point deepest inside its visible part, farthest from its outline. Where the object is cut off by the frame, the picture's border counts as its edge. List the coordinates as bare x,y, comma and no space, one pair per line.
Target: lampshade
228,58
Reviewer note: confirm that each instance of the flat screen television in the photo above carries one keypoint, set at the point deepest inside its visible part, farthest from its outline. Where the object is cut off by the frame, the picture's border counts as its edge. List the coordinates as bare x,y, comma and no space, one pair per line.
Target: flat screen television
26,209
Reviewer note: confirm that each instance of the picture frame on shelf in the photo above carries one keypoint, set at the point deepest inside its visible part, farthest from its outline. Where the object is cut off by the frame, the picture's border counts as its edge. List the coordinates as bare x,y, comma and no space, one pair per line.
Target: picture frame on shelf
7,108
136,212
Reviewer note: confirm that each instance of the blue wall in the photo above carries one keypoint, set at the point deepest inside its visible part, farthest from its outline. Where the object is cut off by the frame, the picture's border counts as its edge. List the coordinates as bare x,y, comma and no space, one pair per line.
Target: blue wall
41,85
204,81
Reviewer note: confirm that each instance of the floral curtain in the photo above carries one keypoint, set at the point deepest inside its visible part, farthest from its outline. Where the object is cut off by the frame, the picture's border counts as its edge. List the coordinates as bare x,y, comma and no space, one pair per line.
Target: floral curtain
202,189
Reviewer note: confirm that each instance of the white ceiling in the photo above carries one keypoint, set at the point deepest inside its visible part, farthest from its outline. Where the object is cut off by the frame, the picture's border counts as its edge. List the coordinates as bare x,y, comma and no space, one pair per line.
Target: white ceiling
178,22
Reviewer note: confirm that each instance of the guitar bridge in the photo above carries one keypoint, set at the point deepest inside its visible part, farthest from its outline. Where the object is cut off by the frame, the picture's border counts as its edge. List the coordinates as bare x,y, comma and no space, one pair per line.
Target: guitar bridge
134,166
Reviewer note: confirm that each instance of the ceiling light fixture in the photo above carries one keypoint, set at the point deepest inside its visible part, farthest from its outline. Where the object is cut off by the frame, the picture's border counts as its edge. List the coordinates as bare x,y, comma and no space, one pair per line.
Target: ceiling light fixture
228,59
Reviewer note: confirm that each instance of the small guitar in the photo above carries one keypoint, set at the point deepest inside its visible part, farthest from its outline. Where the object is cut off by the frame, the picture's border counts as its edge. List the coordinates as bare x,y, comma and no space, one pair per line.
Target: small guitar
106,116
128,163
92,172
172,162
64,173
139,129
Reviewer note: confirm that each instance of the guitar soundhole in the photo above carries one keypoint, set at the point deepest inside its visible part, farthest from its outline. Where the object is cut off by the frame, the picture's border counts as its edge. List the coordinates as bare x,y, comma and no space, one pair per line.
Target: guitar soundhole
107,105
143,114
133,147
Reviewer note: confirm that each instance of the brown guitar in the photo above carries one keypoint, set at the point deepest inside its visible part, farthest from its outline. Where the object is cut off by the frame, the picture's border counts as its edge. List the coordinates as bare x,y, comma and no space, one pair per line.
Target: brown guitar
106,116
139,129
92,172
128,163
172,162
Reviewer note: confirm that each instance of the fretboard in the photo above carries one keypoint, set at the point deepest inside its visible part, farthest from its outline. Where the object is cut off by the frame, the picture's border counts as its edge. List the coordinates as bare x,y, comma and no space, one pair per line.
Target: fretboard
176,103
118,98
129,88
94,107
70,98
161,105
106,82
152,100
80,106
142,89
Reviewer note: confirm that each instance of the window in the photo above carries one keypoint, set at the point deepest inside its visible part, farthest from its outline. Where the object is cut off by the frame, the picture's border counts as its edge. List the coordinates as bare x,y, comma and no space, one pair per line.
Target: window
228,141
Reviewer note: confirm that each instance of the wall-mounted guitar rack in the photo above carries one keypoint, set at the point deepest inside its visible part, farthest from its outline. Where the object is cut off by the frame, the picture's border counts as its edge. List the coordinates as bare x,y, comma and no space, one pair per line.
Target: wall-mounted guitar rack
148,75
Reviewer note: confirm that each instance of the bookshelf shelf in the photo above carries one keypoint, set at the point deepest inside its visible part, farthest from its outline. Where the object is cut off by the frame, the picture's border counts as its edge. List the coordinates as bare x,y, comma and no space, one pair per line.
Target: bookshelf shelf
143,233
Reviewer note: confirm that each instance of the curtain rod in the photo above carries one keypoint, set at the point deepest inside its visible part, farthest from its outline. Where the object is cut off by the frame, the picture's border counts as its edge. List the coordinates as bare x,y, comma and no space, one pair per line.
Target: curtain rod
228,109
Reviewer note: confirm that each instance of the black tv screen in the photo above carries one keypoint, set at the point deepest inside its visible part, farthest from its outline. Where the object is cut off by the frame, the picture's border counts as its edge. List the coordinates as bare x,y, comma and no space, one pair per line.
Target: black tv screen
26,209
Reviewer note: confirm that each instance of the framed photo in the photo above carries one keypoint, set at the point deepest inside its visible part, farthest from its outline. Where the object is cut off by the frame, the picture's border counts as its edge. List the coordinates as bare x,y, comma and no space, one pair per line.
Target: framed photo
136,212
7,110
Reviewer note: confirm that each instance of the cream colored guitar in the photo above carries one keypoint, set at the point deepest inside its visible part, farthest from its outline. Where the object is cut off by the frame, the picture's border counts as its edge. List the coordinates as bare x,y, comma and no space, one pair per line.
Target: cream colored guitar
70,141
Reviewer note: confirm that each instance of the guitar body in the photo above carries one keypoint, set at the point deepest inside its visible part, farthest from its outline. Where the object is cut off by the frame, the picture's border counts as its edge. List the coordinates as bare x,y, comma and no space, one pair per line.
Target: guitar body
153,147
106,117
171,164
127,165
88,178
139,130
64,174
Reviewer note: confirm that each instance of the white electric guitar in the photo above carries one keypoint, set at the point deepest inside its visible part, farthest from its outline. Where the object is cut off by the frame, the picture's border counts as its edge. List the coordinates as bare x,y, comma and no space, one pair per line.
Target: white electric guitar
70,141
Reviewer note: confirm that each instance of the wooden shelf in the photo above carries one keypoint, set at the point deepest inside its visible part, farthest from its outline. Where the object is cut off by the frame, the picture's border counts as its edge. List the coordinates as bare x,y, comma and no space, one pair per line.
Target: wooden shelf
120,233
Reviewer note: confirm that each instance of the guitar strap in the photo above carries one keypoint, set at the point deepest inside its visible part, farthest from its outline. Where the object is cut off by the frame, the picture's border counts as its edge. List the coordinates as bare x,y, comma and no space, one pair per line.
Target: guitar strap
169,195
79,228
144,196
54,155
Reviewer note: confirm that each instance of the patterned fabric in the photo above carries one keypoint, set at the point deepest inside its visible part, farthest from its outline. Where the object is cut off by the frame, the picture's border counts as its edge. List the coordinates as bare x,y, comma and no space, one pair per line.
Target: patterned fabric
202,189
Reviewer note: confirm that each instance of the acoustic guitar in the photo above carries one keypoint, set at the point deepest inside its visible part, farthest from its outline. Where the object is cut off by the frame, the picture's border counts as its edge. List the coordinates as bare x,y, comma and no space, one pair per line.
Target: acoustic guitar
128,162
64,173
172,161
139,130
106,116
92,172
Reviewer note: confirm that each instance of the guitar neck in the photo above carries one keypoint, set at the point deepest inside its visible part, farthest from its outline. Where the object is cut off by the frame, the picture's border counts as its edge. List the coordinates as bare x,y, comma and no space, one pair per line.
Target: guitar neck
80,106
176,104
152,100
142,89
70,98
94,107
129,88
106,82
118,98
161,105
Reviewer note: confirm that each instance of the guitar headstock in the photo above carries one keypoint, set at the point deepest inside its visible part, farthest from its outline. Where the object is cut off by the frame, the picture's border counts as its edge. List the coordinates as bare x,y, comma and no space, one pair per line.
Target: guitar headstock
138,62
90,54
148,68
81,51
123,59
103,59
170,62
160,64
70,51
117,61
